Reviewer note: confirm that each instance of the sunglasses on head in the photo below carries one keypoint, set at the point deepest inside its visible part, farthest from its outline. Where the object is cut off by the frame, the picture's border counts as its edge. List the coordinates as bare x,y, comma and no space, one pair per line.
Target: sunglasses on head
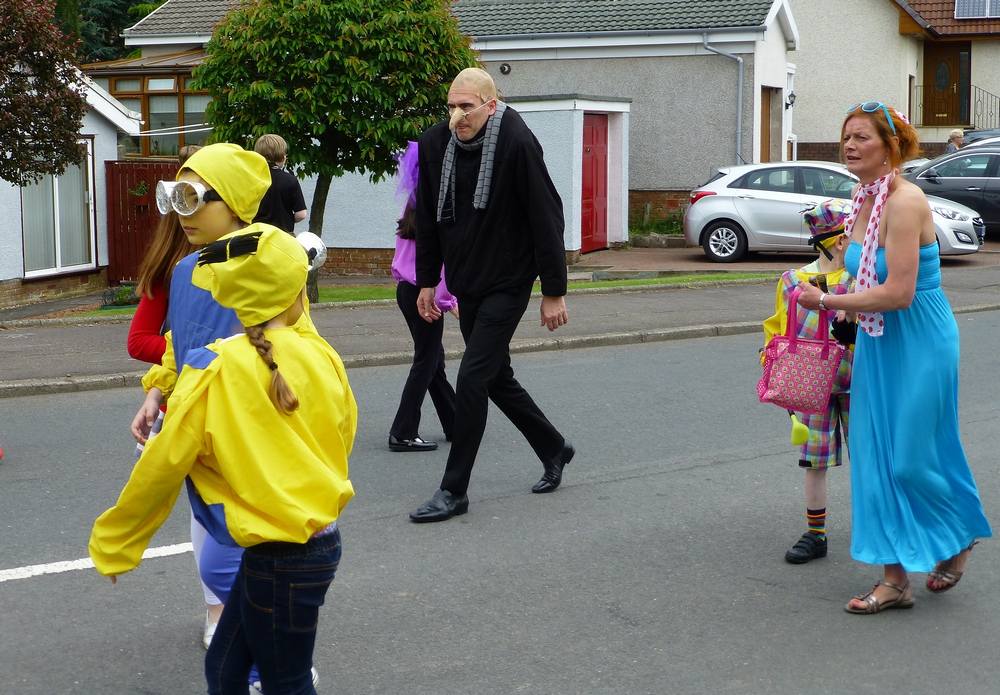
872,107
183,197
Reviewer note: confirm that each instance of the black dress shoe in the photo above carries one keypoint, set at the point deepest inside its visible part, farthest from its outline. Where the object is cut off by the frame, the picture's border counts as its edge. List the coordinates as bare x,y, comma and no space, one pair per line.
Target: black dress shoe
553,470
415,444
807,548
441,507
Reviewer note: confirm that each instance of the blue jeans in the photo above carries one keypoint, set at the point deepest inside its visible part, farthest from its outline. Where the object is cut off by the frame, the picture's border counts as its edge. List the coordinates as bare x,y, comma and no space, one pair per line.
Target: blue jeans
271,617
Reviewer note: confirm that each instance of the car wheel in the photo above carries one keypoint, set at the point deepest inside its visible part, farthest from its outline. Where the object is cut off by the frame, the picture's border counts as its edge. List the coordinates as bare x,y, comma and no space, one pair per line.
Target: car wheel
724,242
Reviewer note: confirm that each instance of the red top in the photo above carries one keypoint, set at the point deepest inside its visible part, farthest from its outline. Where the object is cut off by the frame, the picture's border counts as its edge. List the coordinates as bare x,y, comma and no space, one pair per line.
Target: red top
144,339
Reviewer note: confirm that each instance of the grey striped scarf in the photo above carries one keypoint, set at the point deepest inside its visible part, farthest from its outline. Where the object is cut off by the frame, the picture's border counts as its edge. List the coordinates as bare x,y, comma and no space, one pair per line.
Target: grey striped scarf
488,143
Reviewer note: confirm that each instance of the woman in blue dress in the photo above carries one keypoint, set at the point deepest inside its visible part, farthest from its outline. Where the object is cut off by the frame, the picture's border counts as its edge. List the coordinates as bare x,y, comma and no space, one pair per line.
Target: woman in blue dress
915,504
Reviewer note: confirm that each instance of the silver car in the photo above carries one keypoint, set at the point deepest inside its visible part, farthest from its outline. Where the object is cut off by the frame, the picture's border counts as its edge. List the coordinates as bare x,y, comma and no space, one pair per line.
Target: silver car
758,207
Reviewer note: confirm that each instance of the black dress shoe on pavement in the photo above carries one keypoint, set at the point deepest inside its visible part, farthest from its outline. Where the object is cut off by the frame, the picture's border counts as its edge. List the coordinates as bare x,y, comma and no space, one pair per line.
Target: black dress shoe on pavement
553,470
441,507
415,444
807,548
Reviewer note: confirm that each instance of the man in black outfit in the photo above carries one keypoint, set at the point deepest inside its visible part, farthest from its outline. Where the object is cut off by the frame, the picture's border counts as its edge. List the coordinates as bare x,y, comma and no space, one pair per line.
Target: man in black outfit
283,205
487,208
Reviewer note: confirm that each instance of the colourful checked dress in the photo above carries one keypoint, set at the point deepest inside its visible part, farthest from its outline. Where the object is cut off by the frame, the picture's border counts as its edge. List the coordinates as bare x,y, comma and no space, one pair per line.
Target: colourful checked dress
827,431
914,500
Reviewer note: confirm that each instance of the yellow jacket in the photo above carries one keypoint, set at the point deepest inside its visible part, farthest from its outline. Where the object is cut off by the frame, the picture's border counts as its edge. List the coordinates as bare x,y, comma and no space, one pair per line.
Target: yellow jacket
276,477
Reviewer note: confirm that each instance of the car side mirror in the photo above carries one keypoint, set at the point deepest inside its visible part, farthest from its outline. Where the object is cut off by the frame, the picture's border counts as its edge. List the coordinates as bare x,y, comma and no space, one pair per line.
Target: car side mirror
930,175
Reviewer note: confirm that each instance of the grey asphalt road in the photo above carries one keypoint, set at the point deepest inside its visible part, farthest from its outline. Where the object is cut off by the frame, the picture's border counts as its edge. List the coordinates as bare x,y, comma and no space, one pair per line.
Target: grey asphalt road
656,568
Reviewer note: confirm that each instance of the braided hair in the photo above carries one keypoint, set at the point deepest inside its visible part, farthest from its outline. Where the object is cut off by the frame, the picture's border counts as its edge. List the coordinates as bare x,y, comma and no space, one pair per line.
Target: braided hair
281,393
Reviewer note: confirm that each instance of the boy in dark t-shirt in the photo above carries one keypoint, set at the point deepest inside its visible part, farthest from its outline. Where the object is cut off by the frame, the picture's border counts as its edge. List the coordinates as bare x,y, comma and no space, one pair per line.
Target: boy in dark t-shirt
283,205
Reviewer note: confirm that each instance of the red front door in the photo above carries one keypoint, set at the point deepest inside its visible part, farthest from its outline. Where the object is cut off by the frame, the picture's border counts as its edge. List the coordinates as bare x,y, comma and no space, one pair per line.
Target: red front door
594,227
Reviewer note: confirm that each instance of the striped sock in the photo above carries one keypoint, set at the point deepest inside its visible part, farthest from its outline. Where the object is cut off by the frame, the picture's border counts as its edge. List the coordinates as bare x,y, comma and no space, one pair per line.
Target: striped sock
816,519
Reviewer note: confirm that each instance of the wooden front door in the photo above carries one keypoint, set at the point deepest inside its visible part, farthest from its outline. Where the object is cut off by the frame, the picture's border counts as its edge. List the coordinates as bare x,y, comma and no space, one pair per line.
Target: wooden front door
765,124
594,226
947,82
132,213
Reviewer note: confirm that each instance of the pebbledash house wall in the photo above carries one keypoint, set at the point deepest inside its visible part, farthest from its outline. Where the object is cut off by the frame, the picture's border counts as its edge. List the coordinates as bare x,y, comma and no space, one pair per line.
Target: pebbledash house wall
14,288
681,121
847,56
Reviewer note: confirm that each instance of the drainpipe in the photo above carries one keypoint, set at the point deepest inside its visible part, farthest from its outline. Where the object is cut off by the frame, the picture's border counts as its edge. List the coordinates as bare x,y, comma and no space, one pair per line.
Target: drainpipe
739,95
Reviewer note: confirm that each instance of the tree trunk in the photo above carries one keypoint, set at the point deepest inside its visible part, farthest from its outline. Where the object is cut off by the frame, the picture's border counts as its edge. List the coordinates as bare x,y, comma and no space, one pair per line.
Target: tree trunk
320,194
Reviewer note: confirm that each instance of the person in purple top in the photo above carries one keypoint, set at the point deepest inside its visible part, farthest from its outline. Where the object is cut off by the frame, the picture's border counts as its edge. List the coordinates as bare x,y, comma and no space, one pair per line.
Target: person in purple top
427,372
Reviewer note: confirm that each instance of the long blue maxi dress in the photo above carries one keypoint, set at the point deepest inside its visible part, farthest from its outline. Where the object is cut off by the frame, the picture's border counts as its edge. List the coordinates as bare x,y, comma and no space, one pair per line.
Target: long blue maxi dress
914,500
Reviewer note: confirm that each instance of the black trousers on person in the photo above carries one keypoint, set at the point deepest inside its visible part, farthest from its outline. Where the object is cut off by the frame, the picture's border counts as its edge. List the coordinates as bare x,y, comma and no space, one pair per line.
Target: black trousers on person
488,324
427,372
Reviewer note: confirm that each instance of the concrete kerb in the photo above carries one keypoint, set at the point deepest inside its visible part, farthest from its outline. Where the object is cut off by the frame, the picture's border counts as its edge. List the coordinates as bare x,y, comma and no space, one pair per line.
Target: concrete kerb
28,387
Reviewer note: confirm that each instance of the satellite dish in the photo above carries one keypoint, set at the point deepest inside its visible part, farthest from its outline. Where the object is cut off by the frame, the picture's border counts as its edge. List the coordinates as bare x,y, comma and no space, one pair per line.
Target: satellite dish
315,248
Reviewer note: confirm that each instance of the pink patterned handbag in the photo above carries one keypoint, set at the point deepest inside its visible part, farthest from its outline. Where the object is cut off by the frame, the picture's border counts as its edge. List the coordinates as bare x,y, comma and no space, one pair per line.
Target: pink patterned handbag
799,372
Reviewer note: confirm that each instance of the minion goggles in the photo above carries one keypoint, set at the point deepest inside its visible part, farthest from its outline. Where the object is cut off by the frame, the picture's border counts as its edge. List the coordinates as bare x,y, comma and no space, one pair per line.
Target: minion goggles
183,197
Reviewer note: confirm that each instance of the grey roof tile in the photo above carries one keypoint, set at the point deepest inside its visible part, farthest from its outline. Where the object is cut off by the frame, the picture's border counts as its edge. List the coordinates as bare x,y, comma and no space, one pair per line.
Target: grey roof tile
182,17
504,17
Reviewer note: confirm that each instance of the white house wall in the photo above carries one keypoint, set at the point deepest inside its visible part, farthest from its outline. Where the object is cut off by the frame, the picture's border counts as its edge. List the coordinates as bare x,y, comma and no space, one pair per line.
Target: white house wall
986,65
848,54
359,214
682,118
771,61
11,257
561,136
105,148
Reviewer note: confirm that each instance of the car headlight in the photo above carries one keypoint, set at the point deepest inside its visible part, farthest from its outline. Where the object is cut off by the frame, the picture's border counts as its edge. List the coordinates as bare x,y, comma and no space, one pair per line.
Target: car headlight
949,213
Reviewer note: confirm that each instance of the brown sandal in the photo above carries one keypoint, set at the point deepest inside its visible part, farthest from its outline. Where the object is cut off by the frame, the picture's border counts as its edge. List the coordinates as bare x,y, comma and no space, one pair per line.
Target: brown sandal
945,577
904,599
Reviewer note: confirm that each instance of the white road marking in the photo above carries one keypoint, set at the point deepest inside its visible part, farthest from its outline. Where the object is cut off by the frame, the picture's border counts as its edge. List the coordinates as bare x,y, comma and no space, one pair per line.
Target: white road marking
70,565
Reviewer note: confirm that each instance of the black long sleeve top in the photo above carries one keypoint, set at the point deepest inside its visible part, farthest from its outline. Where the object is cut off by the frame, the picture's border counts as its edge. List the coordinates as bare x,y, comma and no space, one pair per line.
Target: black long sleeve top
518,237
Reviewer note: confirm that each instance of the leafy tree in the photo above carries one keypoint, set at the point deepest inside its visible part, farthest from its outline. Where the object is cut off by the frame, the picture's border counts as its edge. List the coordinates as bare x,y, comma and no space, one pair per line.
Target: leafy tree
41,94
68,17
345,82
102,23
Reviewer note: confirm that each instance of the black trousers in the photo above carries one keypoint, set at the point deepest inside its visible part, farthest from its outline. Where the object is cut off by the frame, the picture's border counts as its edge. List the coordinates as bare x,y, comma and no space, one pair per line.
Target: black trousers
488,324
427,372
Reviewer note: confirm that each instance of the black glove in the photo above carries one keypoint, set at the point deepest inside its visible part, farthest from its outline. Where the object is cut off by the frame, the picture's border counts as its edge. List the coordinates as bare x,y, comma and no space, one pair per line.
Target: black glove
844,332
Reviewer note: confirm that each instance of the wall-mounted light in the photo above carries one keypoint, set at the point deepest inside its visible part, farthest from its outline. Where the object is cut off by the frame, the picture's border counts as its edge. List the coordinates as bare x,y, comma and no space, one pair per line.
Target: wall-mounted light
504,68
791,100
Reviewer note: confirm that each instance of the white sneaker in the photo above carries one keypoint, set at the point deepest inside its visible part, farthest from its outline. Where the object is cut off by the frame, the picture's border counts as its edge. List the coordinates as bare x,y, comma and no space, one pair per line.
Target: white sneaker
256,688
209,633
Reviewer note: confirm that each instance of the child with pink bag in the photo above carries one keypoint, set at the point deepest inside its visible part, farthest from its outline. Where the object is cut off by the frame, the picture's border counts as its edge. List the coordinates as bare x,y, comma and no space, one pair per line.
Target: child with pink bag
822,438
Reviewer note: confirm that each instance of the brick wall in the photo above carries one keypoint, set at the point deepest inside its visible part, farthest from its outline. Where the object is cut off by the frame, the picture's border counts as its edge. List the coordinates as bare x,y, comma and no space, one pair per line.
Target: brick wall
373,262
17,292
661,204
819,151
830,151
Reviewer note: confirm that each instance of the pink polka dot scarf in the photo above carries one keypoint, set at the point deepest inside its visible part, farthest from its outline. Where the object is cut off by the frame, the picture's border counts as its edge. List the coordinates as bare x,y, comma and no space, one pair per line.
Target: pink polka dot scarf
870,322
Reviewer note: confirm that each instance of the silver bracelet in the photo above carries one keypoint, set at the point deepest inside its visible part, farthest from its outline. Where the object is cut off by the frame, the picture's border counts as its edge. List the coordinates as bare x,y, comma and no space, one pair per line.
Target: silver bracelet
822,306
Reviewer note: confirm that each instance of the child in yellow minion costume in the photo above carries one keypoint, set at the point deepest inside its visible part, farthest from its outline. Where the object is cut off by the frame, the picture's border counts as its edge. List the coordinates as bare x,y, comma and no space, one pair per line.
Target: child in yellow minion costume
216,192
821,437
260,425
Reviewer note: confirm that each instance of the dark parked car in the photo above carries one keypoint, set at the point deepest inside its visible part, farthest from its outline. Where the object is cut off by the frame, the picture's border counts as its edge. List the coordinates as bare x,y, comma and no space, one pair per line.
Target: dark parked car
972,136
970,176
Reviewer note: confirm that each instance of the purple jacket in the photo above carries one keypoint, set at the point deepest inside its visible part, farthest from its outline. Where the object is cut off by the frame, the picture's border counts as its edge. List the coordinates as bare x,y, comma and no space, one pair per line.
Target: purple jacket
404,269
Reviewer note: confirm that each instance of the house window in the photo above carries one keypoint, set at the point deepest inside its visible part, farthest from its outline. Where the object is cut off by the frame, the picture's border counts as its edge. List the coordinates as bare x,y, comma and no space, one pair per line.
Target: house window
977,9
58,220
168,105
